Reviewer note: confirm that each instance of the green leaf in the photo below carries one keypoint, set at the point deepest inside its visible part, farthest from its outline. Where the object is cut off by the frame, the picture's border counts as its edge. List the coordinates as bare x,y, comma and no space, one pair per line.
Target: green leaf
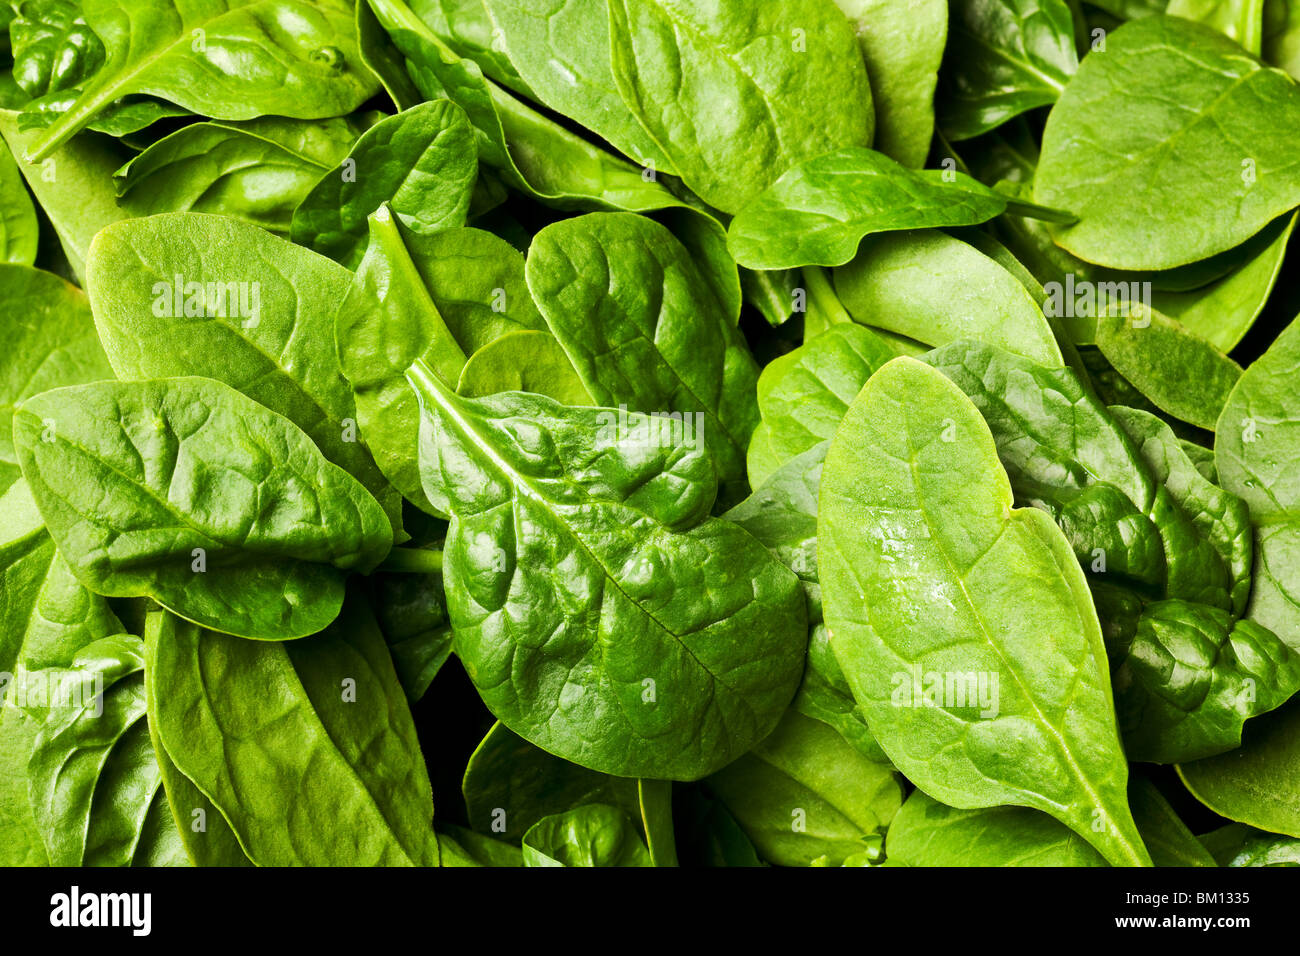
913,501
523,362
92,775
1180,373
802,396
1242,20
591,835
282,736
188,472
787,79
902,44
422,163
73,186
936,289
51,342
1005,57
18,227
1163,832
561,50
1224,311
308,67
1255,784
643,328
258,171
46,617
533,153
236,304
411,611
1257,437
672,641
461,847
441,297
805,797
1281,41
819,211
928,833
510,785
1193,175
1240,845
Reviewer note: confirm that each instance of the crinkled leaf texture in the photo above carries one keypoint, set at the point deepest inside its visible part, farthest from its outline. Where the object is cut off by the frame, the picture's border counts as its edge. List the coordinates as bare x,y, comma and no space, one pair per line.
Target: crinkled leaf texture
1167,552
642,326
592,835
422,162
236,304
258,57
702,78
601,615
188,492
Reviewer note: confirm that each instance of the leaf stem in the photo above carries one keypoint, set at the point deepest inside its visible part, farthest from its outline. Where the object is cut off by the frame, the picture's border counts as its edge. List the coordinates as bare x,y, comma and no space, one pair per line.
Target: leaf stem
412,561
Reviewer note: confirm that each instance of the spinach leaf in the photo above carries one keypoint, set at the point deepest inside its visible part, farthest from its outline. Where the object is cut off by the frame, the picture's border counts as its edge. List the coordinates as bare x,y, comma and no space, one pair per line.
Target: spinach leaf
699,77
534,154
1257,442
1004,57
1255,783
1193,176
52,342
592,835
819,211
561,50
18,226
902,44
236,304
441,297
1178,372
411,612
934,288
926,832
308,68
643,328
188,471
94,783
258,171
510,785
1242,20
73,187
46,618
1239,845
306,748
802,396
1168,552
807,798
914,500
523,362
422,163
460,847
648,683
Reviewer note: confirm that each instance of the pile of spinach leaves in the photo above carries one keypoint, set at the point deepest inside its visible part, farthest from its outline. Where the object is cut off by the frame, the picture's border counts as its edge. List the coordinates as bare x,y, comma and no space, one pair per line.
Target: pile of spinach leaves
654,433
